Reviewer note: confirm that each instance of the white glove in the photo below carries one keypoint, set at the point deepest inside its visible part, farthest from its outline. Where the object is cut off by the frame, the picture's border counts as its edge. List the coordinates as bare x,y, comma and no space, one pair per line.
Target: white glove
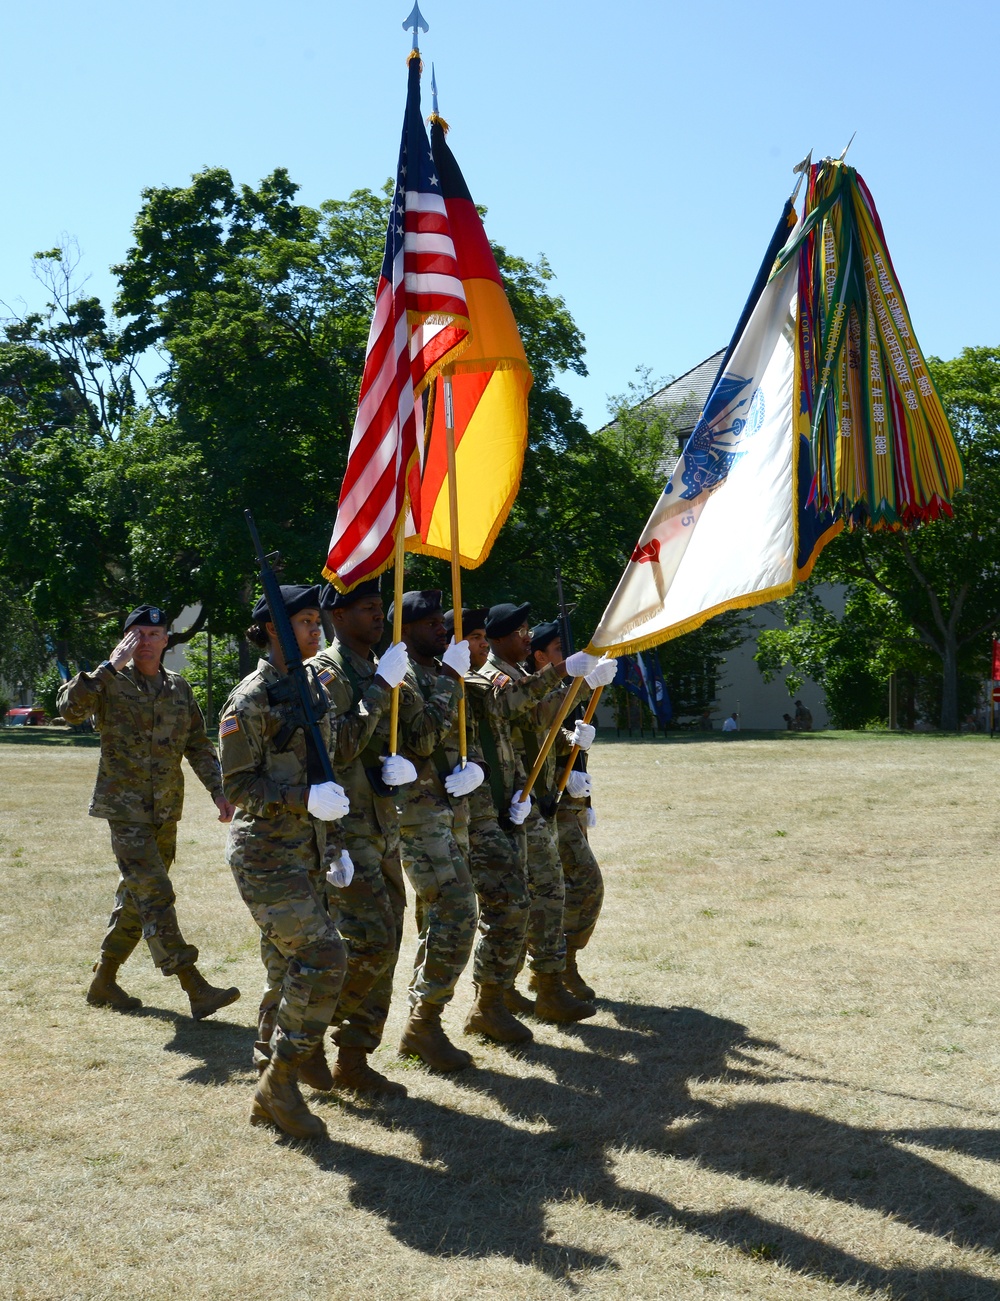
397,771
518,811
591,818
579,785
603,675
342,874
393,665
458,657
583,735
579,664
464,780
327,801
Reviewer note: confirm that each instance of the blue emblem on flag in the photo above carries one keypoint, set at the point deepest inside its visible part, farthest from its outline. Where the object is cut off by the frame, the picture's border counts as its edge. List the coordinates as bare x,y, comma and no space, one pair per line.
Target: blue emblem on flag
715,443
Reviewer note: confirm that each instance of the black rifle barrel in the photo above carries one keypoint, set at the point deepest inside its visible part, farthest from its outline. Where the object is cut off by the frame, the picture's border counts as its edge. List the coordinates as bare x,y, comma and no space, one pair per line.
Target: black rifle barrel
303,712
565,630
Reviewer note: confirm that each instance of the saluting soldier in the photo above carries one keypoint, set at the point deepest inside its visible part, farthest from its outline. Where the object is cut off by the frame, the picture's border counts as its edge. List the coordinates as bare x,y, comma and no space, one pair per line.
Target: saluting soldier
370,909
433,825
149,720
276,847
510,643
581,871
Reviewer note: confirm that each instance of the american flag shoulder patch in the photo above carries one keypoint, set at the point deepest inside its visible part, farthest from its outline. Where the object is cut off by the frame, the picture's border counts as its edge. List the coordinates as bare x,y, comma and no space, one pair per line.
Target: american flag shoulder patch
325,676
500,681
229,725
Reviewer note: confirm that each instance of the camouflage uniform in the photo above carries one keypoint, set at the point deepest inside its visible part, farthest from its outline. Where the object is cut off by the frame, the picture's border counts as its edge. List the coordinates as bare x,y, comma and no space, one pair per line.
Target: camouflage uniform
581,872
433,831
371,908
147,725
543,692
497,848
276,851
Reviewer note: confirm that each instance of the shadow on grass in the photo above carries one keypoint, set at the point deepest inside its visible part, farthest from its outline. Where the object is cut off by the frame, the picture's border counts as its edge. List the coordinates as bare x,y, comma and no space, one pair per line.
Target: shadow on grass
59,736
486,1185
226,1049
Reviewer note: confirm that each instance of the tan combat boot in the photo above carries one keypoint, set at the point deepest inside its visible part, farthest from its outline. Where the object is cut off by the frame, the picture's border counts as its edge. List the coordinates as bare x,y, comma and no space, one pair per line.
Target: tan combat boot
573,981
488,1016
514,1001
424,1038
105,991
314,1070
279,1102
554,1002
352,1071
205,998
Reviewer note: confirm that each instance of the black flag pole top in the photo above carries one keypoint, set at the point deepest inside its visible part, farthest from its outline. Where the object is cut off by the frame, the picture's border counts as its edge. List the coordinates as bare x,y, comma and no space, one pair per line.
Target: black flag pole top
416,22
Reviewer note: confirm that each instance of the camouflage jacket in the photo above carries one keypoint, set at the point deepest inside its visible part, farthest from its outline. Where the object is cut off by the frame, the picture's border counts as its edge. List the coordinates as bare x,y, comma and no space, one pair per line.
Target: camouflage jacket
147,725
352,685
499,695
428,737
272,827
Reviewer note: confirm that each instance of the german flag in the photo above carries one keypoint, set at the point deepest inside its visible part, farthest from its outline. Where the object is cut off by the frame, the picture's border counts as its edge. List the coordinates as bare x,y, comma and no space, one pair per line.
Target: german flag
490,382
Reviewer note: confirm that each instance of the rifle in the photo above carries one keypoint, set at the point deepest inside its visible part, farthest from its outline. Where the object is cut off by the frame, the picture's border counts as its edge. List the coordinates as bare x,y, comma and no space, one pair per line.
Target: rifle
294,693
565,631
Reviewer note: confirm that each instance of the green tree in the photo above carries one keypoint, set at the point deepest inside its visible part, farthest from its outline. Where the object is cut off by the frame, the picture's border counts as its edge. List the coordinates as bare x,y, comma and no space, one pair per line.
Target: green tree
262,308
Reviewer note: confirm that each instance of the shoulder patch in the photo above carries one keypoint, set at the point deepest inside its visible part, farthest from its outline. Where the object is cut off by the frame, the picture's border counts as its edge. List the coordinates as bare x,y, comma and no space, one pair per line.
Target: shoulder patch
501,680
325,676
229,725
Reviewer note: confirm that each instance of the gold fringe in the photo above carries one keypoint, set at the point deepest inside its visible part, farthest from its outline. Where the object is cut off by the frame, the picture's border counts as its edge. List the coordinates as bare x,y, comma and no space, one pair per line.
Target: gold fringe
473,365
436,119
443,363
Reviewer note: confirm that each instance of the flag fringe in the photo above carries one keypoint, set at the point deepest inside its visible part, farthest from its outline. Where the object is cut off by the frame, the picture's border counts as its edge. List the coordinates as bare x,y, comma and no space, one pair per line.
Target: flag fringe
443,363
475,365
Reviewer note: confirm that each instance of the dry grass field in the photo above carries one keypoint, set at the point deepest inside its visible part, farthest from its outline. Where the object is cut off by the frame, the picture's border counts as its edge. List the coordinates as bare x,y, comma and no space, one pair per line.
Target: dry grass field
790,1089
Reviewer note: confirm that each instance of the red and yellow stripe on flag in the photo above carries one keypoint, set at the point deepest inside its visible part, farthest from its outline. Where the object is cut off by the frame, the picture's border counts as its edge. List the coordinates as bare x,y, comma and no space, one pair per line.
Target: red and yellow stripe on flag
490,383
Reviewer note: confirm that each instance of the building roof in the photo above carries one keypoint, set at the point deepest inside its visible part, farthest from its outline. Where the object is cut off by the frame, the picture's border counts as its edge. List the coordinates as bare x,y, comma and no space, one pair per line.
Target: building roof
686,395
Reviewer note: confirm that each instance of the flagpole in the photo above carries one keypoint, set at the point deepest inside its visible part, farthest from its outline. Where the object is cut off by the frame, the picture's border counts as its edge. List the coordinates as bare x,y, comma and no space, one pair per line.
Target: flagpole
397,621
569,700
456,564
589,713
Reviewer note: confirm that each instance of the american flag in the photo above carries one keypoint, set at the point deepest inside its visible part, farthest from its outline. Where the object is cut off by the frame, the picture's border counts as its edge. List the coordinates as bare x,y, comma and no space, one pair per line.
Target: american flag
420,323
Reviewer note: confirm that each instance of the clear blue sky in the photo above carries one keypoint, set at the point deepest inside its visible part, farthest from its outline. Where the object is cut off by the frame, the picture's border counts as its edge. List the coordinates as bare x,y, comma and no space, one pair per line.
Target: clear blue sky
645,148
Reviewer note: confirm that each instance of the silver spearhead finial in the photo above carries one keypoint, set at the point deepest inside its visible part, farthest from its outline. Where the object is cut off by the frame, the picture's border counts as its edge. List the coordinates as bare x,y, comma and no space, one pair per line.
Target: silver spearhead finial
434,92
415,22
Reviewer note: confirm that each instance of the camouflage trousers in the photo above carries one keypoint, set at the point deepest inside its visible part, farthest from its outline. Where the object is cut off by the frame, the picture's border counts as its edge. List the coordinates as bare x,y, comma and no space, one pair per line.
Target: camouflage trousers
144,903
496,862
303,957
545,941
582,874
437,868
369,914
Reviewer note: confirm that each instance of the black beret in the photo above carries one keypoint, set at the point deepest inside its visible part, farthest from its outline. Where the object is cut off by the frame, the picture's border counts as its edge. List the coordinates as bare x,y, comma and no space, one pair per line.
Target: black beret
543,633
150,616
331,599
506,618
471,620
418,605
294,596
